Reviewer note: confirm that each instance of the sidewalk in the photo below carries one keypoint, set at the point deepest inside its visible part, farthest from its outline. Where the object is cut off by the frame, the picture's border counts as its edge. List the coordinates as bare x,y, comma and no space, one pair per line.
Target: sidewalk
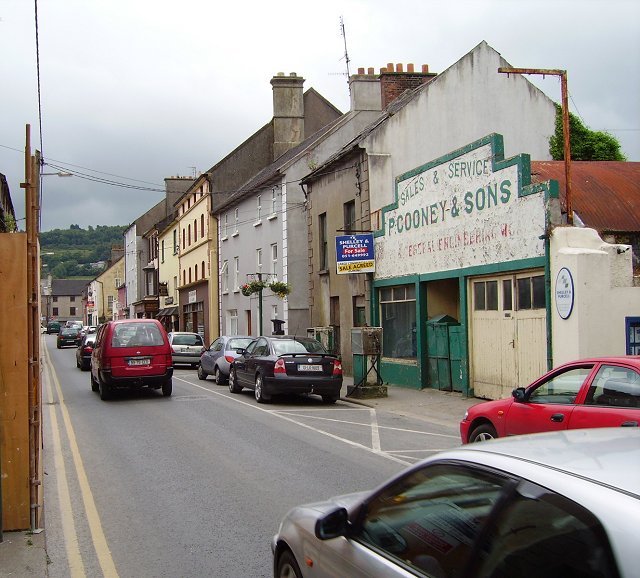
23,554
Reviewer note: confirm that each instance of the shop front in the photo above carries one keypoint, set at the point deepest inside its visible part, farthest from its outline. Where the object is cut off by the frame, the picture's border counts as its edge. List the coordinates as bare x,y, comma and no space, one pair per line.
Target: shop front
461,284
194,309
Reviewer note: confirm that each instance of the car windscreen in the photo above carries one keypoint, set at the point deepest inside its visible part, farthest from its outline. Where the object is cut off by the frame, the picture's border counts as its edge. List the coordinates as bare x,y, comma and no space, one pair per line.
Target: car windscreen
187,339
136,335
283,346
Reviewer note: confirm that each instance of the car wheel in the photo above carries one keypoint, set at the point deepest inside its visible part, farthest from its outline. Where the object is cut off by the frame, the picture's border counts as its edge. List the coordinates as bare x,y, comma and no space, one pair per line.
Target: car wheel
483,433
167,388
217,374
202,374
77,363
329,398
259,390
94,383
103,388
234,387
287,566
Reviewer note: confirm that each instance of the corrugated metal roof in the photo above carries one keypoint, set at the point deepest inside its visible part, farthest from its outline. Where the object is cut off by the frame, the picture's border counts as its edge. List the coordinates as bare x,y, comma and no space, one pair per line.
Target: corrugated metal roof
605,194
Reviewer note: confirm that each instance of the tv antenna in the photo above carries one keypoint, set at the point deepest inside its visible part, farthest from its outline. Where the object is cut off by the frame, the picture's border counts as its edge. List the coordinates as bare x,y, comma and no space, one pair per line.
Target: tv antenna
346,54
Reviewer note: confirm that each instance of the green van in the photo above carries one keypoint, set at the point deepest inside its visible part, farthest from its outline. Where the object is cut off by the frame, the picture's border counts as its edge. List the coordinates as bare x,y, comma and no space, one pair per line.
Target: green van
53,327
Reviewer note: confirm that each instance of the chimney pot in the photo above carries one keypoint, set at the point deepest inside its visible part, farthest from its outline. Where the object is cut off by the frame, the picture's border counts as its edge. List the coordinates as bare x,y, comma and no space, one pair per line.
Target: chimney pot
293,74
425,69
370,70
399,67
280,74
410,67
360,70
390,67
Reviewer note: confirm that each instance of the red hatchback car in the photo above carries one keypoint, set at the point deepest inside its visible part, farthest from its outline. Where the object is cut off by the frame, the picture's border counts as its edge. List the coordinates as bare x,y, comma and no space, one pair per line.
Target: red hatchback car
603,392
131,353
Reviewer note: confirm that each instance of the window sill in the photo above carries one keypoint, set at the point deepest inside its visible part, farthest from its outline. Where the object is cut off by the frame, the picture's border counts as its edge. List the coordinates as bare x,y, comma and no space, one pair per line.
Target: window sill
224,238
235,234
225,292
323,272
258,223
272,216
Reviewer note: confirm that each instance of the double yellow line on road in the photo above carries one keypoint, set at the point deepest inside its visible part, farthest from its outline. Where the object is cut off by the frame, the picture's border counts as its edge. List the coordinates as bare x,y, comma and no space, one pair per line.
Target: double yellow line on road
74,557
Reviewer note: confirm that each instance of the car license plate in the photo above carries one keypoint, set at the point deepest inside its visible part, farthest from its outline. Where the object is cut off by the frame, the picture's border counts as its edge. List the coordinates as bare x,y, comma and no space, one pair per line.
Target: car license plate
145,361
310,367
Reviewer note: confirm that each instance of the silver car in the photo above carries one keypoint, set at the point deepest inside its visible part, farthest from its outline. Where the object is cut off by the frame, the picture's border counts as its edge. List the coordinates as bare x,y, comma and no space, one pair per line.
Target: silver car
544,505
186,347
216,360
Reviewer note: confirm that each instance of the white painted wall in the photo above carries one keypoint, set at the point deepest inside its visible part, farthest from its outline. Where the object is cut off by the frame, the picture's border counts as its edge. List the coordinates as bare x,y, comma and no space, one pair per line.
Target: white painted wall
466,102
131,267
603,295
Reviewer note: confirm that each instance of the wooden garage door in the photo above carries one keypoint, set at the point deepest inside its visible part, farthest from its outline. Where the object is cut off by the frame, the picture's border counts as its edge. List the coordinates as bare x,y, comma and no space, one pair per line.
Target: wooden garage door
508,332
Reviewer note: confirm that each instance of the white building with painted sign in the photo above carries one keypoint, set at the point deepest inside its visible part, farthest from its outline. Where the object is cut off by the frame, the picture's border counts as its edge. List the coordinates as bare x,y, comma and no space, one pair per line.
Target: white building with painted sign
460,270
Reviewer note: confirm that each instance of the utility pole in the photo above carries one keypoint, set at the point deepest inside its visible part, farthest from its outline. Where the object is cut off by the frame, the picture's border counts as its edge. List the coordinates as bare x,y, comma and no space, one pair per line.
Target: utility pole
565,124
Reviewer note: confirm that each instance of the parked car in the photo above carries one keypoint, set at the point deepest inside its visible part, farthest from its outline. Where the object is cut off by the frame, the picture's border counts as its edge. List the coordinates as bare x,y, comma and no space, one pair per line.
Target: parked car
53,327
87,329
587,393
553,504
217,359
131,353
286,364
73,323
83,352
186,347
67,336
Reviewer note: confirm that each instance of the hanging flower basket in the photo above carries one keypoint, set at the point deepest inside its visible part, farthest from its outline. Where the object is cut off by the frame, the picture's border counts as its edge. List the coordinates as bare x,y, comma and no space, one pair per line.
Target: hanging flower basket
280,288
252,287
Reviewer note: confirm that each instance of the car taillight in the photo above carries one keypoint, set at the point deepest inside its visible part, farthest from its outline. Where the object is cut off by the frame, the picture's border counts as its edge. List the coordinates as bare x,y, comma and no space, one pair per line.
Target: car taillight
229,358
279,367
337,367
87,349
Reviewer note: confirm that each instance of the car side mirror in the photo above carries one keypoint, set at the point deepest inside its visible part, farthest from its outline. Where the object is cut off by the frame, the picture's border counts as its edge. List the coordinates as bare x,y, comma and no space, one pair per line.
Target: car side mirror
332,524
240,351
519,394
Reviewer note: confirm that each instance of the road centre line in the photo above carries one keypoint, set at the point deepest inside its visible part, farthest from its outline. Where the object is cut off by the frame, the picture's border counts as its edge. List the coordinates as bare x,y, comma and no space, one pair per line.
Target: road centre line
93,518
303,425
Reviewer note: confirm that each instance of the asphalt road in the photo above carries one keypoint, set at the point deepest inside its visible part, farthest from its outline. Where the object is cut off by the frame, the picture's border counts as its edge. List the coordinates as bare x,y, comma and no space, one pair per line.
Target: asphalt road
196,484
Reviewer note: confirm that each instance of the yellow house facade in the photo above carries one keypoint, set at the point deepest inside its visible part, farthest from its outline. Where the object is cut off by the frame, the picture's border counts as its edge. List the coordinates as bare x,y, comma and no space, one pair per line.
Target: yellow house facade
198,258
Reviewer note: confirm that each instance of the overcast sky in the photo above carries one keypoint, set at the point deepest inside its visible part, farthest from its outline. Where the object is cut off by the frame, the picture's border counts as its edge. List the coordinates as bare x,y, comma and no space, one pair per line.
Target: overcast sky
133,91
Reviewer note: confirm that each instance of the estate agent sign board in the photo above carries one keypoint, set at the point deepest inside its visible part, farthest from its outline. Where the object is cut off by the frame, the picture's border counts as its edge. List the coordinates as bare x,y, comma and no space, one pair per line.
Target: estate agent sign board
355,254
470,208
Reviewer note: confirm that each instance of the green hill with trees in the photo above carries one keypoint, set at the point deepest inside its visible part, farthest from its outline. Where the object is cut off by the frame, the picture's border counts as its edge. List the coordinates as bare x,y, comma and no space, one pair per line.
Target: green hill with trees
77,252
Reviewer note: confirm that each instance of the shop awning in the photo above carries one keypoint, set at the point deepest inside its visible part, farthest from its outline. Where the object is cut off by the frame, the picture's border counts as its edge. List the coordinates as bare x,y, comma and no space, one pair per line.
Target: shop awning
167,312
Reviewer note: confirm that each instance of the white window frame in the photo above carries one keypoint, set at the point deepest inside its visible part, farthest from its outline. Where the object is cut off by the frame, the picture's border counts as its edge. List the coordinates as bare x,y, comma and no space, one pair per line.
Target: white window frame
225,276
237,220
259,259
225,226
258,210
236,274
274,258
233,321
274,202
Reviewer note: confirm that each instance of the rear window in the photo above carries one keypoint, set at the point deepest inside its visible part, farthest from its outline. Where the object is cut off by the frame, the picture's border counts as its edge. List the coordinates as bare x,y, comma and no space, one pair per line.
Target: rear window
282,346
239,343
136,335
194,339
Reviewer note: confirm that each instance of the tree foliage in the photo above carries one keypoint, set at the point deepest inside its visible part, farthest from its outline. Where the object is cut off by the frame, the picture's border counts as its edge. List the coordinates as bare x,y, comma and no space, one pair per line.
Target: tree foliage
586,144
77,252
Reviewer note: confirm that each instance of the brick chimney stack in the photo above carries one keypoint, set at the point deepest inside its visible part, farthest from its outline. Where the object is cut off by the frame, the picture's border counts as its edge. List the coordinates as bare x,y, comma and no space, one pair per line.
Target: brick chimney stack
394,81
288,112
